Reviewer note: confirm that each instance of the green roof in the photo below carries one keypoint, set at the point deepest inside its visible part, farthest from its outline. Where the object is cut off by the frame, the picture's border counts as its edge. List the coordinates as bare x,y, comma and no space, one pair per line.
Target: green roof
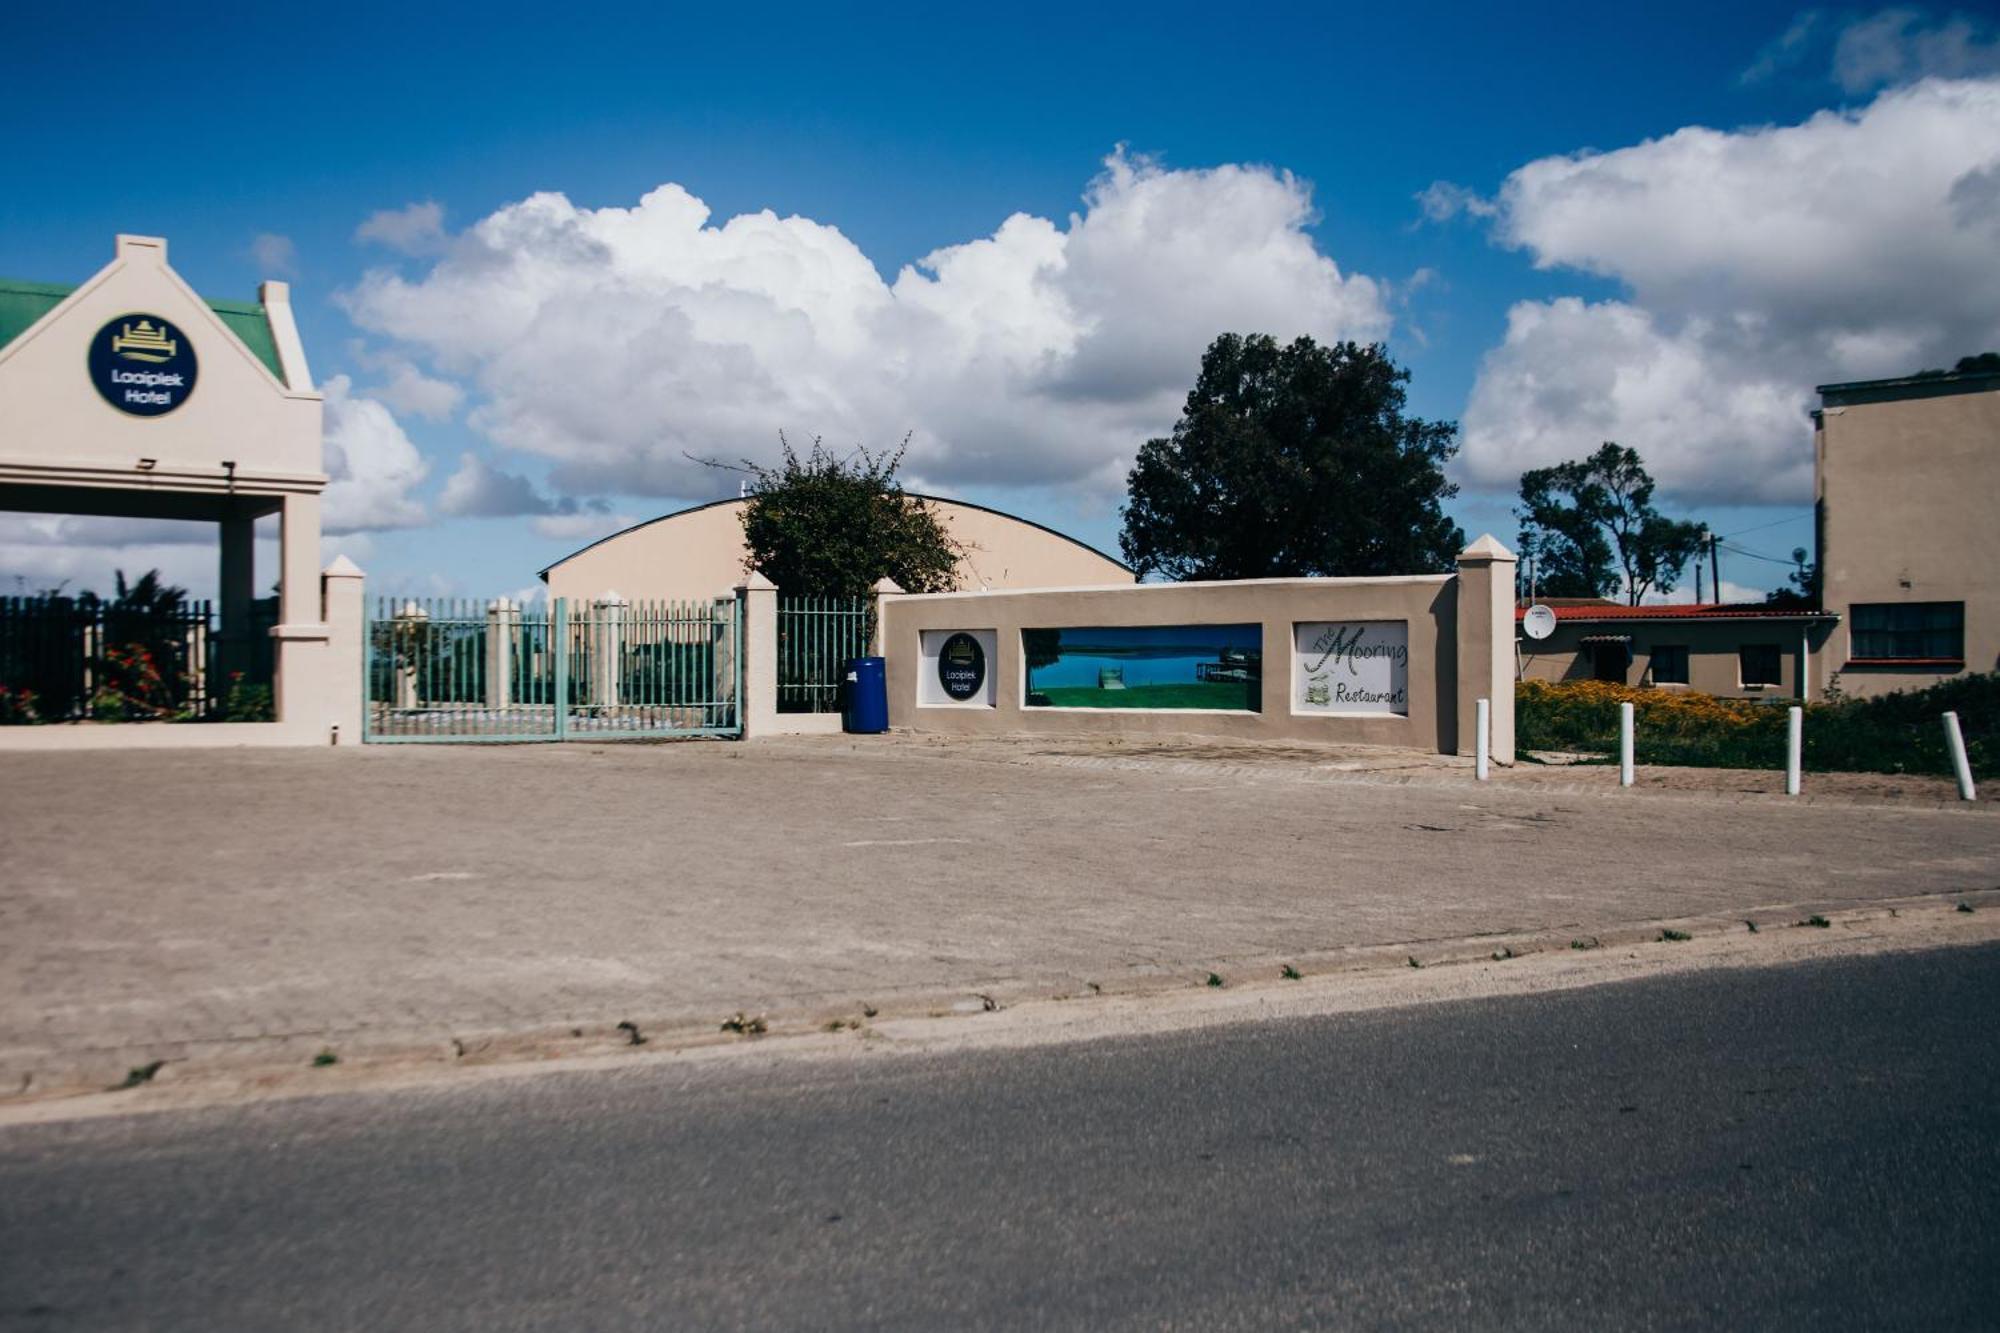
23,303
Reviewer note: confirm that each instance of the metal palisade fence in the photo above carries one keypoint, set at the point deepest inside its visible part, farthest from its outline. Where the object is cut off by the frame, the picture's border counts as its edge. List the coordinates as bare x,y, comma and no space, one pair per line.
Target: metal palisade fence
75,658
817,636
458,669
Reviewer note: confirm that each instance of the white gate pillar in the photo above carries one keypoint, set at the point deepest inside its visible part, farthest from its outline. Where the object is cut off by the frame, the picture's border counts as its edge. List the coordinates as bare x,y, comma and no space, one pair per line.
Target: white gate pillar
503,623
1485,665
607,649
759,704
408,639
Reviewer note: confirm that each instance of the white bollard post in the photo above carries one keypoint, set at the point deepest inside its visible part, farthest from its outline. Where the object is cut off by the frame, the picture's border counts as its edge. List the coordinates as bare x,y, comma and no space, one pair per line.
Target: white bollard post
1795,745
1954,741
1624,745
1483,746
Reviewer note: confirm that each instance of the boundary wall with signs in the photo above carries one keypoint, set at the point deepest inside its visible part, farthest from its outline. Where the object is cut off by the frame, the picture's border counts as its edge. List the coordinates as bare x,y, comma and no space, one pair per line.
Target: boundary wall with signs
1410,657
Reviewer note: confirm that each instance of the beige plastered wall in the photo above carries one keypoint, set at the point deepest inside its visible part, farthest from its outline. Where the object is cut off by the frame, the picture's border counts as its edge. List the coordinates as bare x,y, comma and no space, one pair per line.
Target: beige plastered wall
1441,659
1713,664
700,553
1907,493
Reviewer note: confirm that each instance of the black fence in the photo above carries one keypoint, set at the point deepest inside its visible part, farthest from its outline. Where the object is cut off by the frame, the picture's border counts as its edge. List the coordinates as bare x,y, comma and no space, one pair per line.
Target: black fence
65,659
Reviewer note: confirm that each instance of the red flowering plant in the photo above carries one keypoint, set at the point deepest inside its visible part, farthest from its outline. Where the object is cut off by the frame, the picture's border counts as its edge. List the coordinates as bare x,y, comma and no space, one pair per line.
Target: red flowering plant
17,706
130,686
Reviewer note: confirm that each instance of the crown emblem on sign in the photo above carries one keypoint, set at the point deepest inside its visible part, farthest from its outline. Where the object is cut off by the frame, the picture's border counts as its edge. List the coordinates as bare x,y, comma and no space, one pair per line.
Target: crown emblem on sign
144,342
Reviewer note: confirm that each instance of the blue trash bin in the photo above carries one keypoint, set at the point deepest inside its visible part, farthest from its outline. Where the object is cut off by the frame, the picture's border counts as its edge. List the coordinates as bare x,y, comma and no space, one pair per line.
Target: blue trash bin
866,712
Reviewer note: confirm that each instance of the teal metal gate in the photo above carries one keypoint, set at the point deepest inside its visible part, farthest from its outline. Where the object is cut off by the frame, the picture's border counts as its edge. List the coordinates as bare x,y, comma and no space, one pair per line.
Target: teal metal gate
454,670
816,638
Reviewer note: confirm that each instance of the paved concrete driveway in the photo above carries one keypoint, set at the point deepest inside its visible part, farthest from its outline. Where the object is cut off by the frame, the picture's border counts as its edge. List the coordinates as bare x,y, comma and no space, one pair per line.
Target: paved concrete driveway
188,902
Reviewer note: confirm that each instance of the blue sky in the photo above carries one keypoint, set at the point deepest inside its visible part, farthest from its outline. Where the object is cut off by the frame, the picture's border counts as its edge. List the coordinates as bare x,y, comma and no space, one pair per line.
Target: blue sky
261,143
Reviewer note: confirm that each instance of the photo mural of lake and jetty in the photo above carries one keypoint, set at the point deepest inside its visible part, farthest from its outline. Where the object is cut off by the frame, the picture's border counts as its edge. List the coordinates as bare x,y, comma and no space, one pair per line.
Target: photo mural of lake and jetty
1146,666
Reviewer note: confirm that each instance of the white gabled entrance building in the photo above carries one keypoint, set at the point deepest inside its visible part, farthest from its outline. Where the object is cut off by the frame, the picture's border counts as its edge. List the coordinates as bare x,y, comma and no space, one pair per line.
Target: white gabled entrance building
130,396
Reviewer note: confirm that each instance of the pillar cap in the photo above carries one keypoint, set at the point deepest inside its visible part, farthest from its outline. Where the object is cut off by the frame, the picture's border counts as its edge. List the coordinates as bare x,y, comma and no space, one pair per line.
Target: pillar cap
886,584
1484,549
343,568
756,582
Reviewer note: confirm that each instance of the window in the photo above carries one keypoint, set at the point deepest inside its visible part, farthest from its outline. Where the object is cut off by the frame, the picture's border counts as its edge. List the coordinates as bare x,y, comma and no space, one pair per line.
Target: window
1146,666
1670,664
1907,630
1609,659
1760,664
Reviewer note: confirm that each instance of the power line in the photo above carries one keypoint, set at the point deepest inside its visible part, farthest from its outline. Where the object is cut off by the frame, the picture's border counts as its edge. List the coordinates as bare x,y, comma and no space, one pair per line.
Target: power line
1789,518
1769,559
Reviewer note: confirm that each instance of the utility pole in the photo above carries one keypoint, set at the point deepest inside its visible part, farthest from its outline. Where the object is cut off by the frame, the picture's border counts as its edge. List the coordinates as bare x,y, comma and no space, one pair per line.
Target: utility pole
1715,566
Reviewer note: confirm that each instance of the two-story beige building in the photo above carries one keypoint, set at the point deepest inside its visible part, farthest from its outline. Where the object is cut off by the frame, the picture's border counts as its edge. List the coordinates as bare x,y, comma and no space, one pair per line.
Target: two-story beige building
1908,475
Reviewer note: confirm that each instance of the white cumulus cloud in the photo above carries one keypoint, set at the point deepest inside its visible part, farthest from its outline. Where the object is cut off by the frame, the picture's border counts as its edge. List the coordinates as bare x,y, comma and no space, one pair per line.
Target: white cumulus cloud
414,229
1758,263
371,464
416,394
614,342
1897,46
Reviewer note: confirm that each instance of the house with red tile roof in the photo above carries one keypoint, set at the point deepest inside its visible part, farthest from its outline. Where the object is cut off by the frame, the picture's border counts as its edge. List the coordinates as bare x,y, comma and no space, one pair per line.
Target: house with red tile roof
1739,650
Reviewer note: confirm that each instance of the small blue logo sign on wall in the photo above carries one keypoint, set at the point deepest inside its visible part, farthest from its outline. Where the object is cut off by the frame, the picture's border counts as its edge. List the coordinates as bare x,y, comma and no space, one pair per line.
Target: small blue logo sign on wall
142,364
962,667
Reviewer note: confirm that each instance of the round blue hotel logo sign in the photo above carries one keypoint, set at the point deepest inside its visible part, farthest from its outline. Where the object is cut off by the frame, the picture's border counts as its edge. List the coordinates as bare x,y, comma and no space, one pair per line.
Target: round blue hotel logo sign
962,667
142,364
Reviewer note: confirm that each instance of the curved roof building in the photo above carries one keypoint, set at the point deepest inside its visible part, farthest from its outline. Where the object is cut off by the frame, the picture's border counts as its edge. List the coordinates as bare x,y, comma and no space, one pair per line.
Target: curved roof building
700,552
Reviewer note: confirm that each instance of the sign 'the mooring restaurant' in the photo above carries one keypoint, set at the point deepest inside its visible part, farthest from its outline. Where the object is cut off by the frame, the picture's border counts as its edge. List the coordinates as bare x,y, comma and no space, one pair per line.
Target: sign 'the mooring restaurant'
1358,666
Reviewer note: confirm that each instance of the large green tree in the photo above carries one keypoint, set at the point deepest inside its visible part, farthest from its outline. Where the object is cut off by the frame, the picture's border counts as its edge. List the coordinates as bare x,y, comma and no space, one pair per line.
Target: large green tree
1293,460
831,525
1591,529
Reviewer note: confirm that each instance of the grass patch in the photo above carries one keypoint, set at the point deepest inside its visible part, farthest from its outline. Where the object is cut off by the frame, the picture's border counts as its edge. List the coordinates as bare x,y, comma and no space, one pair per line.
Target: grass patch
743,1025
1890,733
1816,921
1215,978
1288,972
325,1058
1674,936
1243,696
140,1076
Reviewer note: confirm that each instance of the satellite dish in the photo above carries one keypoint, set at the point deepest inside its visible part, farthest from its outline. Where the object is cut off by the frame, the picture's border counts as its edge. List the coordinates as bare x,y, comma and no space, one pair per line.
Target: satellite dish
1539,622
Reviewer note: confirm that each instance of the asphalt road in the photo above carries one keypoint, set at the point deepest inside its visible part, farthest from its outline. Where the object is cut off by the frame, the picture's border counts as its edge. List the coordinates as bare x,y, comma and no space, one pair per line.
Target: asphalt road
1809,1146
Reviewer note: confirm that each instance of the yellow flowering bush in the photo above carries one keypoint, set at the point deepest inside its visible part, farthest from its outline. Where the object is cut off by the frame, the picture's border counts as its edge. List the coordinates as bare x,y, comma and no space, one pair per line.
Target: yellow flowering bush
1892,733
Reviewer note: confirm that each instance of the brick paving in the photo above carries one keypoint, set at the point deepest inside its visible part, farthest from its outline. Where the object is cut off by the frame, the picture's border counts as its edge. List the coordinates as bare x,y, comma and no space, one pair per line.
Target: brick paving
169,904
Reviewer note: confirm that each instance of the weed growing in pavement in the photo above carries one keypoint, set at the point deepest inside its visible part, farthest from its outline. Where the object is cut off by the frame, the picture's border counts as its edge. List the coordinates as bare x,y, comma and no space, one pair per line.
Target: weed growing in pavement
1414,962
744,1025
1751,924
1214,979
1095,989
1589,943
633,1037
1503,953
143,1074
1965,907
1816,920
1674,936
869,1011
1288,972
325,1058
